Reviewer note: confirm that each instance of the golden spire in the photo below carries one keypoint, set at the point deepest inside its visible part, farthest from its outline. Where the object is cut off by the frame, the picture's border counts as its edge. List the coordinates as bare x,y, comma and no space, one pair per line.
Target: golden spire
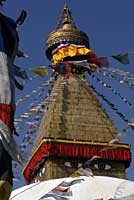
65,31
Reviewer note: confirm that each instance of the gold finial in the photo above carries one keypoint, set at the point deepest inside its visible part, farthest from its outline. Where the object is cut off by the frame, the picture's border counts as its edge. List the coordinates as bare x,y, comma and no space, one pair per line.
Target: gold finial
65,18
66,31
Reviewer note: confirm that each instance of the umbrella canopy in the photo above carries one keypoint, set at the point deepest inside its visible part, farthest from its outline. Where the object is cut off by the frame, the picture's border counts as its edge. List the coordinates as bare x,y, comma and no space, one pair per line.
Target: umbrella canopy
93,188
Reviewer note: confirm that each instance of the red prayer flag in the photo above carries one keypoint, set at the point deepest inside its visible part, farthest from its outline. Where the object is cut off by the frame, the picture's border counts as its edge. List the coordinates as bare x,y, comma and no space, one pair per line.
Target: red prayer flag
104,62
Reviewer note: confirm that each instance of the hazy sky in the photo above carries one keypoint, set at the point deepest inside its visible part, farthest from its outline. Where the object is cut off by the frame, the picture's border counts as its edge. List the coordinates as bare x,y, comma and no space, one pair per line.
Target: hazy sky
109,25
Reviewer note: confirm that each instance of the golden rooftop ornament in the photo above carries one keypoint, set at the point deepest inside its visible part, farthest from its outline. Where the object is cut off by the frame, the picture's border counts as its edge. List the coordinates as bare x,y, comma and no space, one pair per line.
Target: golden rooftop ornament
66,33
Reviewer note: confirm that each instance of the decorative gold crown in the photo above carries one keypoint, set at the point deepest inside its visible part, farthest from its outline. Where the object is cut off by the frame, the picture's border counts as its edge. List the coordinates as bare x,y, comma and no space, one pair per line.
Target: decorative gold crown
68,33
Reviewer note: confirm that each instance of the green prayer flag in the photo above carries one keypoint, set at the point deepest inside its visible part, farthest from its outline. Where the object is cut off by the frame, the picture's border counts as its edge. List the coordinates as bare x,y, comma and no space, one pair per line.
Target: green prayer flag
70,183
122,58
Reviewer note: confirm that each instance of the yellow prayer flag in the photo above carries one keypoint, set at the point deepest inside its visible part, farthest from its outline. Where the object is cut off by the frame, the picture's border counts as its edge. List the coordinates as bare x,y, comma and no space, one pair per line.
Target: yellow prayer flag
41,71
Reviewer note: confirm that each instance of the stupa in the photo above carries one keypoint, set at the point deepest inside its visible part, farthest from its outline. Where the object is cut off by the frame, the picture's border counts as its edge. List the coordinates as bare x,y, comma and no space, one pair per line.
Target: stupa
75,134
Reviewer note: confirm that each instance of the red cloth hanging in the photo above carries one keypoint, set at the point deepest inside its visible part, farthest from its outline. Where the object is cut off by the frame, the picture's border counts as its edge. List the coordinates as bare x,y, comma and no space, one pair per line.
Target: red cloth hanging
64,148
68,66
7,115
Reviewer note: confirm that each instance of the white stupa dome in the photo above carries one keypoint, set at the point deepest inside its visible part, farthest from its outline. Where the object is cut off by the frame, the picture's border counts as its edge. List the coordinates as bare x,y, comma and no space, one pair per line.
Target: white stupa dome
79,188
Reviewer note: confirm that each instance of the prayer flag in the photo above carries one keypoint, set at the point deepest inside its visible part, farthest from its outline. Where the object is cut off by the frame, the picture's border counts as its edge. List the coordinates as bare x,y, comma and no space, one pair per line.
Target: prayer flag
70,183
41,71
20,73
18,85
21,18
122,58
104,62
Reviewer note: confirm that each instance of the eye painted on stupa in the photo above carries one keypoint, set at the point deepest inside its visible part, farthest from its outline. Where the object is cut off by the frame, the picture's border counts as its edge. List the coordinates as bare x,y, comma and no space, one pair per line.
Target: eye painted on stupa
73,164
102,166
42,171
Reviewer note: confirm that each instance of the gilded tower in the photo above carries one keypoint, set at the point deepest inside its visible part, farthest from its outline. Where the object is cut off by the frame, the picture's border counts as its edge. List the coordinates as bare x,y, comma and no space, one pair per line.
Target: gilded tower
75,132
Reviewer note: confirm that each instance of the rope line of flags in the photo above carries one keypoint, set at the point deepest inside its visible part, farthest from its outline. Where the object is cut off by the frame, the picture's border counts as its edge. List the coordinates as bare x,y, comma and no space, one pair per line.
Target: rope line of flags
114,77
39,89
123,117
109,87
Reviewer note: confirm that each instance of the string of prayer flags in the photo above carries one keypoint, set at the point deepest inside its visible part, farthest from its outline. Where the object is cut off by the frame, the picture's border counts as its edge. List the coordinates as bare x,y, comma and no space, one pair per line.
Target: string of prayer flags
122,116
32,117
29,79
37,89
112,76
131,105
39,109
123,58
30,133
115,92
32,128
23,116
119,71
21,86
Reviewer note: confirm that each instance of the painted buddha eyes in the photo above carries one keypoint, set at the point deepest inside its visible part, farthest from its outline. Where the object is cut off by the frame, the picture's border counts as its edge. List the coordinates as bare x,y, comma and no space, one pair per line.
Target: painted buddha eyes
67,164
42,172
102,166
99,166
73,164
